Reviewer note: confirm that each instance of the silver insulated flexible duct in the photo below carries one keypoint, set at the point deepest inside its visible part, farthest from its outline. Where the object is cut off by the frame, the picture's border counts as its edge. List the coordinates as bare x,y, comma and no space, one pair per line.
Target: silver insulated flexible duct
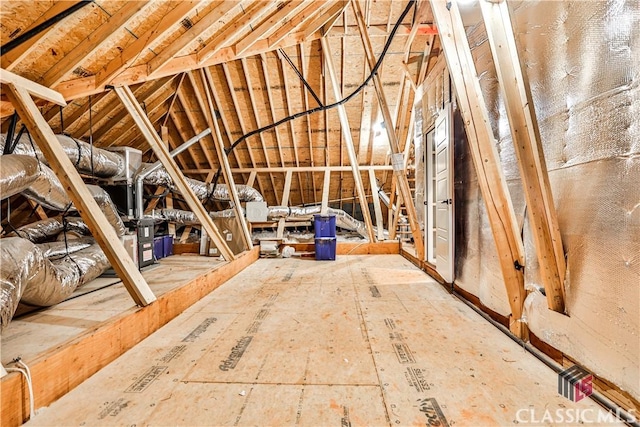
105,163
29,276
46,229
36,181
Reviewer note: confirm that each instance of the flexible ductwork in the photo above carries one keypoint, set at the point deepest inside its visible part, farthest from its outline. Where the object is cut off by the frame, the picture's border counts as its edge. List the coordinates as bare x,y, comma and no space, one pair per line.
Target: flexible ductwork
40,184
29,276
343,219
189,218
203,190
46,229
59,249
105,163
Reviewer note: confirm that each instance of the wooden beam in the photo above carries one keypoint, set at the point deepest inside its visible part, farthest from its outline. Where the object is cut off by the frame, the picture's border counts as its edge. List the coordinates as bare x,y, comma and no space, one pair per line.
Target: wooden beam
491,180
528,146
329,16
243,129
346,130
85,86
128,56
80,195
252,178
33,88
298,169
239,25
161,152
376,204
256,117
222,8
402,182
292,129
227,128
92,43
326,188
267,83
13,57
305,97
307,13
285,202
424,65
223,159
268,25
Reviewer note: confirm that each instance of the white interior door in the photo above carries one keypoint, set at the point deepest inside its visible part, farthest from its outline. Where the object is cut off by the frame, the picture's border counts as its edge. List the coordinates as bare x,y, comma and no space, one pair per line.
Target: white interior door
444,220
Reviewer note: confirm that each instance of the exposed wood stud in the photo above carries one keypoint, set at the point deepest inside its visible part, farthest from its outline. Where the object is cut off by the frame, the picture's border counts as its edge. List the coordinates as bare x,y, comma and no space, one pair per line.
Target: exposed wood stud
376,204
491,180
223,159
285,202
172,169
402,182
78,192
346,130
243,129
528,147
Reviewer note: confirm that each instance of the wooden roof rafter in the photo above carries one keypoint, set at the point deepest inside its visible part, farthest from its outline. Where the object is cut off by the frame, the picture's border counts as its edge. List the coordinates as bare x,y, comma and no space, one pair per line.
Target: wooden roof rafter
305,97
176,46
63,68
247,143
256,115
292,130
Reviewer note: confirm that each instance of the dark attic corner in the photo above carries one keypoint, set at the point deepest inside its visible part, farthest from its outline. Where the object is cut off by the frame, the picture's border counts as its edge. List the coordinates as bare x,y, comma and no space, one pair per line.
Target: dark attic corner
336,212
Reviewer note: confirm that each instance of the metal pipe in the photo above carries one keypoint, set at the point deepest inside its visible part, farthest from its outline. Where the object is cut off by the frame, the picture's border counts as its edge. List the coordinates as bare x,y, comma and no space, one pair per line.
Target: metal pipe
157,165
9,46
620,412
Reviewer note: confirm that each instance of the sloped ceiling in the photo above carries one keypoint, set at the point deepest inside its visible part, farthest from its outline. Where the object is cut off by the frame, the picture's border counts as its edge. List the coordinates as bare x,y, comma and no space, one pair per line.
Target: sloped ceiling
253,53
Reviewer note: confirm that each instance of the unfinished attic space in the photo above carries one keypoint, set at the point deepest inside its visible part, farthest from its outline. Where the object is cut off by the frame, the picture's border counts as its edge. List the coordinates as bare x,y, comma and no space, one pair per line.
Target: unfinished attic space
320,213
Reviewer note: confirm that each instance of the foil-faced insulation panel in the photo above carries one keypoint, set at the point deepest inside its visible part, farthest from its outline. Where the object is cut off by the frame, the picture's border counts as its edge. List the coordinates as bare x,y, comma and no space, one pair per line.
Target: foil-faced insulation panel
582,60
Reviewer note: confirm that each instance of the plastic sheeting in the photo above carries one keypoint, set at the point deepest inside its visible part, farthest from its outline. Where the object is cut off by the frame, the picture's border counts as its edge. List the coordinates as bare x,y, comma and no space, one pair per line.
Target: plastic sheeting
582,60
27,275
105,163
46,229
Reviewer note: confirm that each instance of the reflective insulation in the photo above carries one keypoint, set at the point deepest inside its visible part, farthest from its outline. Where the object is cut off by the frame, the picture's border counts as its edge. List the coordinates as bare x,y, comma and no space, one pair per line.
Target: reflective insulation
203,190
343,219
28,276
17,173
46,229
189,218
88,160
59,249
582,60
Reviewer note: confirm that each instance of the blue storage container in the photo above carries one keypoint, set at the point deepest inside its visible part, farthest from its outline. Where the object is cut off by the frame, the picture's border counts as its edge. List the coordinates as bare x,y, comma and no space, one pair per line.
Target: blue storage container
158,247
324,225
167,243
325,249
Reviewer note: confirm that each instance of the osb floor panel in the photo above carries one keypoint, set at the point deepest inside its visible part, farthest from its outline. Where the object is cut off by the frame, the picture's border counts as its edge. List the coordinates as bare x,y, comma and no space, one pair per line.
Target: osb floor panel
37,332
364,340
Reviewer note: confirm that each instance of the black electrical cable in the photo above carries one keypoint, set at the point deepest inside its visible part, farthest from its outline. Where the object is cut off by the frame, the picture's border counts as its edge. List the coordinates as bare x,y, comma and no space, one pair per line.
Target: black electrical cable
9,46
301,77
325,107
8,141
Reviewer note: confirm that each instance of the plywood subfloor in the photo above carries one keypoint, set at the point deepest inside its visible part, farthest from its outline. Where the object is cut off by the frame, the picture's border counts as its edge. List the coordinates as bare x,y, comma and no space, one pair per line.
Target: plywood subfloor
34,333
365,340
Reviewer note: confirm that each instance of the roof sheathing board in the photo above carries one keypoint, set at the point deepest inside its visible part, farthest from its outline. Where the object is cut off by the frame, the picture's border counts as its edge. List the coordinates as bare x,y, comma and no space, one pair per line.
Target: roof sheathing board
21,15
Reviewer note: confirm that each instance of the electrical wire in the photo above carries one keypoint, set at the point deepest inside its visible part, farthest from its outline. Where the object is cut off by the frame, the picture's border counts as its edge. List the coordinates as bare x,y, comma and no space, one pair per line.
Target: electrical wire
324,107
